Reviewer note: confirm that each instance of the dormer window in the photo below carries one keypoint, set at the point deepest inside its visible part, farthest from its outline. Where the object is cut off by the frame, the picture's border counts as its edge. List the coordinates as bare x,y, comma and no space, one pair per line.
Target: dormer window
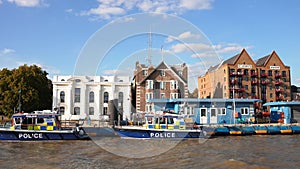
105,80
77,80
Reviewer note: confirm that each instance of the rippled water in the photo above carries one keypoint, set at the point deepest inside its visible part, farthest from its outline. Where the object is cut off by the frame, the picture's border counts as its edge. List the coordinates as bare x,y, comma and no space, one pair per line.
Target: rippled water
257,152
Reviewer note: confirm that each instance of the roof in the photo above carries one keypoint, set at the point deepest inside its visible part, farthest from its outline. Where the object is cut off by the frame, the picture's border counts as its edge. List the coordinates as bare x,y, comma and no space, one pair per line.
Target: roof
163,65
262,61
275,104
196,100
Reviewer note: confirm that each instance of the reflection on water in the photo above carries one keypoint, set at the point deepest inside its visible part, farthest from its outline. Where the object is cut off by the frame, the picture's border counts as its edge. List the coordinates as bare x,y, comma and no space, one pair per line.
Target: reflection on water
257,152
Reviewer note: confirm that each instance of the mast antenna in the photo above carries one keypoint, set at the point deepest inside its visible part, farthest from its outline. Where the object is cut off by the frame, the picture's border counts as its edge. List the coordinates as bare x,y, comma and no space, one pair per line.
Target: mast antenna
149,59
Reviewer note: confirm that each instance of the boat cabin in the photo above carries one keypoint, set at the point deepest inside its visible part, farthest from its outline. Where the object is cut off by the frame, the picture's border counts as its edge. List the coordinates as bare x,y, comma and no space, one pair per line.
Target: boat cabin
164,121
38,120
210,111
284,112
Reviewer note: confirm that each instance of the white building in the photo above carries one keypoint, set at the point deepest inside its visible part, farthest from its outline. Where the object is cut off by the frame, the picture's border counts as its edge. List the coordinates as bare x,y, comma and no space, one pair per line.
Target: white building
92,98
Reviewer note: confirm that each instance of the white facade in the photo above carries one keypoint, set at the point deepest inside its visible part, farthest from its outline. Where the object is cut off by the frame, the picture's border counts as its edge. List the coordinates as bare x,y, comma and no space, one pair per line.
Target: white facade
88,97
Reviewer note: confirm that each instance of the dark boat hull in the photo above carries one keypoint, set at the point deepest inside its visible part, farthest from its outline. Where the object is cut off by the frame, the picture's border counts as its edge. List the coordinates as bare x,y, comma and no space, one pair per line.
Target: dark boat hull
36,135
161,134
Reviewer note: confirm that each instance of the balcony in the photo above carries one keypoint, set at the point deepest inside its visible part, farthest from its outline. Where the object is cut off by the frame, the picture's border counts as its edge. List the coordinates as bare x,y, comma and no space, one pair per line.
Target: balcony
264,82
278,75
242,89
240,73
254,97
232,73
278,82
263,75
279,98
253,74
254,82
232,81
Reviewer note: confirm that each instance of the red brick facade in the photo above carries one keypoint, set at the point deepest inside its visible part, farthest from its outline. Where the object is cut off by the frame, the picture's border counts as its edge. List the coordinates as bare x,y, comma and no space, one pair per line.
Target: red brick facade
163,81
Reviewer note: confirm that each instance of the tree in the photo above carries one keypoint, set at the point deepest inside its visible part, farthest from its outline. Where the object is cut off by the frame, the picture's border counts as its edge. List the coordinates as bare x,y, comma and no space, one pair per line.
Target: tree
27,84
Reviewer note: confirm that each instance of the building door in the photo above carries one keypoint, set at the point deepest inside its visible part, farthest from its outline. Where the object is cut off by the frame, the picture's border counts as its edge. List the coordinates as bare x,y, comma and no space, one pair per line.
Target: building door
203,115
213,115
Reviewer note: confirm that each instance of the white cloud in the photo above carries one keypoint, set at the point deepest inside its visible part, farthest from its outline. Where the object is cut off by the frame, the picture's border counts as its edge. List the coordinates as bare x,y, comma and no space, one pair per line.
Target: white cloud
190,47
6,51
49,69
1,2
69,10
112,8
184,36
196,4
28,3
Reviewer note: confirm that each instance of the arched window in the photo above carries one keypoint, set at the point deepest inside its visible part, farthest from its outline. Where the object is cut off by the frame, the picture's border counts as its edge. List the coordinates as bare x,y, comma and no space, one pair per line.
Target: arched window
62,96
105,97
76,111
91,97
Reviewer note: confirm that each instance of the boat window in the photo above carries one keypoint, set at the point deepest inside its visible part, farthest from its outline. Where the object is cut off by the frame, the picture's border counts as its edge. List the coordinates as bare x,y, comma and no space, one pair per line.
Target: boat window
40,120
244,111
222,111
18,120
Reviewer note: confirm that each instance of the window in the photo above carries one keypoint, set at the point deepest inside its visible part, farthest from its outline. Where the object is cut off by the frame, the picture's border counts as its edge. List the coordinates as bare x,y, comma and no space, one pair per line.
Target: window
105,97
162,95
203,112
162,85
91,97
213,112
149,84
62,110
91,110
244,111
104,110
271,95
77,80
222,111
76,111
144,72
174,85
149,96
149,108
62,96
174,96
269,72
283,73
180,73
120,99
77,95
162,72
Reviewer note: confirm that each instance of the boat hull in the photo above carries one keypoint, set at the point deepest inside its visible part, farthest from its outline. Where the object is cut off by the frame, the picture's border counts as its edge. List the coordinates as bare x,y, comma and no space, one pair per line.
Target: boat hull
161,133
37,135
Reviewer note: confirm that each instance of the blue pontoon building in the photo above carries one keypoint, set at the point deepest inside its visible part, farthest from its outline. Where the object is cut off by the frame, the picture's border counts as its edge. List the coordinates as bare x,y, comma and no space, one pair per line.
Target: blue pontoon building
210,111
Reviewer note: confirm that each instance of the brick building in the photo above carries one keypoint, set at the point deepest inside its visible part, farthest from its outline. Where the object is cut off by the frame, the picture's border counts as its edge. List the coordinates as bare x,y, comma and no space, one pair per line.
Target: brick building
163,81
267,78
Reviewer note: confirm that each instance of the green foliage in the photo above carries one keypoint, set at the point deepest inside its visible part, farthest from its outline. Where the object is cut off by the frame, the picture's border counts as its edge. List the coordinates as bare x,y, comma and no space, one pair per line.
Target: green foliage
30,83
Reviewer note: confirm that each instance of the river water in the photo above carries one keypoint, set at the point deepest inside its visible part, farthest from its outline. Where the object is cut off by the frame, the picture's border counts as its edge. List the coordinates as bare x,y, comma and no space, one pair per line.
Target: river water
253,152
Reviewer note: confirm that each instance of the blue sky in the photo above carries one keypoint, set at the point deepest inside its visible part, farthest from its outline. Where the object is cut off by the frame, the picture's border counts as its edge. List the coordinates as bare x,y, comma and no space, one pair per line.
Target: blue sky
55,33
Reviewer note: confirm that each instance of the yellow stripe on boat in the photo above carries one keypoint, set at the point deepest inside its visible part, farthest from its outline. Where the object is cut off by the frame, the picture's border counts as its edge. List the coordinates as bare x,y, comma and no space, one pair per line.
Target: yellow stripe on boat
286,131
261,131
235,132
